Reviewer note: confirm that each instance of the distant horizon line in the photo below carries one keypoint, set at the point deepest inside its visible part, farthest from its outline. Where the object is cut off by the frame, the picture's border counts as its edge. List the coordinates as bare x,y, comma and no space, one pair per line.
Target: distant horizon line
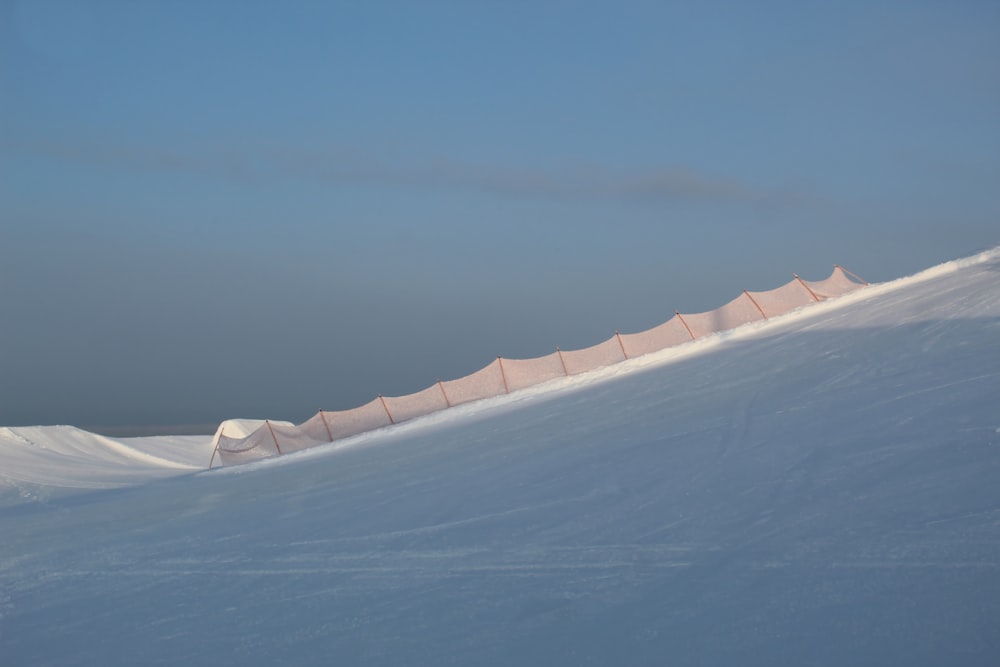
140,431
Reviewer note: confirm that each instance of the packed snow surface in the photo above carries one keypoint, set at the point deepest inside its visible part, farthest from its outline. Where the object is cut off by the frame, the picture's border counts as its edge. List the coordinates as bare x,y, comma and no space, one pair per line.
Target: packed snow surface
818,489
40,462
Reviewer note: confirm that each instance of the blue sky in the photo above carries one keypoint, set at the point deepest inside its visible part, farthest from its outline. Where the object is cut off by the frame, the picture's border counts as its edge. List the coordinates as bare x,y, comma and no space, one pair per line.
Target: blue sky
260,209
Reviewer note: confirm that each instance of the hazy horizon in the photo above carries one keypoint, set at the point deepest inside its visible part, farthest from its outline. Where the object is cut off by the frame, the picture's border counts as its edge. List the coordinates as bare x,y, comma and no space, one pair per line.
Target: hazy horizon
259,210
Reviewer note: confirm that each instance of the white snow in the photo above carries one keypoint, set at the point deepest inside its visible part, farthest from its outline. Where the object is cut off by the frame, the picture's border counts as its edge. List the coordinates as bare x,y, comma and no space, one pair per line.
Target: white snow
44,462
817,489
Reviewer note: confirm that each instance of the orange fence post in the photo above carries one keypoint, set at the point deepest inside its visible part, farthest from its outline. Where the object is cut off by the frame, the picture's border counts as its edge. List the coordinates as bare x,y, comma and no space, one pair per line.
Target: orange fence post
445,394
323,417
754,302
386,408
685,324
803,283
273,437
562,361
855,276
506,389
621,344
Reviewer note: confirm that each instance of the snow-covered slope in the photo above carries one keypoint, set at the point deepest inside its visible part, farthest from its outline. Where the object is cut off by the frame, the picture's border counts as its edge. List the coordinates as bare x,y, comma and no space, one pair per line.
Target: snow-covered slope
43,462
819,489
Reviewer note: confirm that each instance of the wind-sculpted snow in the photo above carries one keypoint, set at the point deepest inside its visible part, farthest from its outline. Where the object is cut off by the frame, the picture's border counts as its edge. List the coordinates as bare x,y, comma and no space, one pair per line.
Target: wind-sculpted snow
819,489
39,462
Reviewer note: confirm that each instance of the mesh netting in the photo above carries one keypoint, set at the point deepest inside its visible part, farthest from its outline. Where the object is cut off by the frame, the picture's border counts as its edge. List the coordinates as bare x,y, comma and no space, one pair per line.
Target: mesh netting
838,283
257,445
522,373
418,404
345,423
295,438
738,311
484,383
506,375
603,354
668,334
316,427
783,299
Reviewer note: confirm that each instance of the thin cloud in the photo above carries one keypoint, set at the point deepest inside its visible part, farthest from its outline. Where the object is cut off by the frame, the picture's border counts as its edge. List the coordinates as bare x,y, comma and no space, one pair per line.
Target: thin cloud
108,155
346,166
572,182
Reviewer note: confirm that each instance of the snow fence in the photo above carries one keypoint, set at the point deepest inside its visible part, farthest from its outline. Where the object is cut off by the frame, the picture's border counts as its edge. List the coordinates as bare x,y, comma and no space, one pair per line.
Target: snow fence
503,376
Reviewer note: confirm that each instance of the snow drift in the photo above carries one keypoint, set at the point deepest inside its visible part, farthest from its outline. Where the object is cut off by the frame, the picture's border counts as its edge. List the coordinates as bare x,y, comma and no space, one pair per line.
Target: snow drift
46,461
